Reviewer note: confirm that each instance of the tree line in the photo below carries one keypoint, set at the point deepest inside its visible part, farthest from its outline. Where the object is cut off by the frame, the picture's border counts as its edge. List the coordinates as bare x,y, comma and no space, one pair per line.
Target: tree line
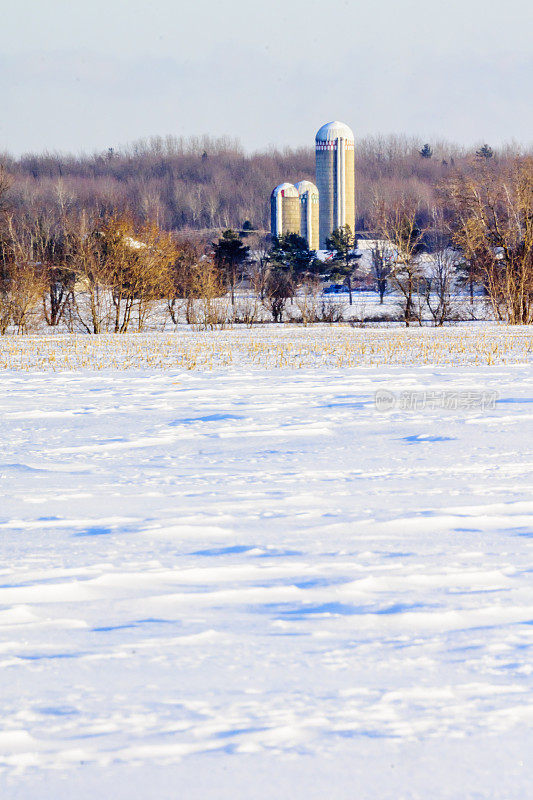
207,183
99,266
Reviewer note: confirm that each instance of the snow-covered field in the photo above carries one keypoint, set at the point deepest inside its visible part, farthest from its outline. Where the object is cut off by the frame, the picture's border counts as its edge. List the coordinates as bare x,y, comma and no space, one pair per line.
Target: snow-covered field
242,580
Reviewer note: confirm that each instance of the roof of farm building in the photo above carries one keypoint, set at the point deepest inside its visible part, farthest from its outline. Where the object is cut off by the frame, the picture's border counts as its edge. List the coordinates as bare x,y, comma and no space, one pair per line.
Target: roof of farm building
332,130
306,186
286,189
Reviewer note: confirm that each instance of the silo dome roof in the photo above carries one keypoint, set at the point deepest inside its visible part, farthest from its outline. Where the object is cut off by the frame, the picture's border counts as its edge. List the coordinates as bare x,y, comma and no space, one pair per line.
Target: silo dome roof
306,186
332,130
286,189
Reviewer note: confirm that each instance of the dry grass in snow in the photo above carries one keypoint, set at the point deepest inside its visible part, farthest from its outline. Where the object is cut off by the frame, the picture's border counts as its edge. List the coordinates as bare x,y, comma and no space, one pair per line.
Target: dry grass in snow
292,347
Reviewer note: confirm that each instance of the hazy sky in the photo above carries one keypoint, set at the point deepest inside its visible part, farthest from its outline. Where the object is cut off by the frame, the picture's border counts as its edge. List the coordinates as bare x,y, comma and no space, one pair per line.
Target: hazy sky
91,74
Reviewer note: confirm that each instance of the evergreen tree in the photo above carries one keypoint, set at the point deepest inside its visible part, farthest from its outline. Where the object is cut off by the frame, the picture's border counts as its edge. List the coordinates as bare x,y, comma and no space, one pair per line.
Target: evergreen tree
247,229
291,254
343,244
426,151
485,152
230,256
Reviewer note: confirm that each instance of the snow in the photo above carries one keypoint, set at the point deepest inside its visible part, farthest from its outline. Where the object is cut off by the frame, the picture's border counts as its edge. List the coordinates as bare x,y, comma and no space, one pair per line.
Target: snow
248,582
332,130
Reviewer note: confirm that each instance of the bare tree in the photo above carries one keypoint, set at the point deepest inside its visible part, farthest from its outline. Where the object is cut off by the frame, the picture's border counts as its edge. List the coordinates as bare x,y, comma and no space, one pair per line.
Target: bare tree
381,266
6,181
135,261
259,263
493,225
21,277
92,303
399,227
306,299
279,289
440,271
181,289
208,286
51,252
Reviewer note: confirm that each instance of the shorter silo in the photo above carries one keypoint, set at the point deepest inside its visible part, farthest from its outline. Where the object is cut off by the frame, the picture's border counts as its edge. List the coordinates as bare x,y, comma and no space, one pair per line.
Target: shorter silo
284,210
309,219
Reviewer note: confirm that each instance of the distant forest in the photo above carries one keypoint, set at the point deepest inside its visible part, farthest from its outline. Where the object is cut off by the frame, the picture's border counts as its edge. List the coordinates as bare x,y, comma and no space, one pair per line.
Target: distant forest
205,184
